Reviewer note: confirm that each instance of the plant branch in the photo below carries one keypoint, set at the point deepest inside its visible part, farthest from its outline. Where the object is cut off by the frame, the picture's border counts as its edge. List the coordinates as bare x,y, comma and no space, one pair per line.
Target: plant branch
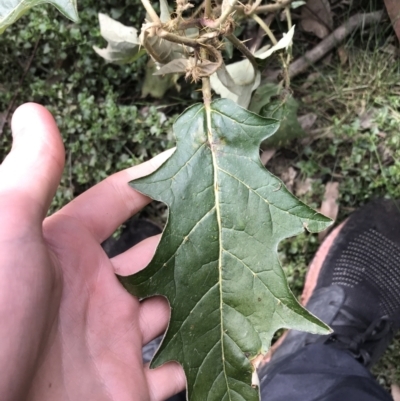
4,120
152,13
270,8
206,89
334,39
182,40
243,49
248,10
264,26
337,36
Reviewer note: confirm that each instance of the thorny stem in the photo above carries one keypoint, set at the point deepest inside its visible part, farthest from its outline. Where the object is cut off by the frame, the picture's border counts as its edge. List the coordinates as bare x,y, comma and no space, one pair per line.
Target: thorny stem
206,89
266,28
225,14
149,8
250,10
243,49
206,85
183,40
285,69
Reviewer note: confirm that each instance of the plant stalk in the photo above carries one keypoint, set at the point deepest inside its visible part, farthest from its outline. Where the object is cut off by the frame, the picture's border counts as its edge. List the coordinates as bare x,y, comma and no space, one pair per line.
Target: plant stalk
153,15
243,49
206,89
266,28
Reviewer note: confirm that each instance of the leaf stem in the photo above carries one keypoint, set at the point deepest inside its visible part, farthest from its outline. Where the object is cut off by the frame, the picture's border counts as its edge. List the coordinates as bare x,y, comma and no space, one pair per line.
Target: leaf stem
152,13
243,49
206,89
206,85
266,28
250,9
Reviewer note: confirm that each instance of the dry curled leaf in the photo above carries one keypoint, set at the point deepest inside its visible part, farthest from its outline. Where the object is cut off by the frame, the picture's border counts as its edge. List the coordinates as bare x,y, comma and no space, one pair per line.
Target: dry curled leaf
123,41
237,81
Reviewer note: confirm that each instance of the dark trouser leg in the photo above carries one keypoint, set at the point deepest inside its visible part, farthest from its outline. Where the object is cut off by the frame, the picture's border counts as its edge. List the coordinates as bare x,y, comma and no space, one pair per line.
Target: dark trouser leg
319,372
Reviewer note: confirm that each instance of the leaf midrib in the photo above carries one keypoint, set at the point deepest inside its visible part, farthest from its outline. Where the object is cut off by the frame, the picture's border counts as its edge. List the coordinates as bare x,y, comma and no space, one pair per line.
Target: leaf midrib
218,214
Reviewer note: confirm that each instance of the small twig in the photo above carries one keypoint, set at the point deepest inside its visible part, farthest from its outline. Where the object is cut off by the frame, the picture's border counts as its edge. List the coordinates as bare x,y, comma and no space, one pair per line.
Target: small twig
14,99
183,40
337,36
198,10
264,26
206,85
250,9
243,49
285,69
269,8
288,17
261,33
152,13
334,39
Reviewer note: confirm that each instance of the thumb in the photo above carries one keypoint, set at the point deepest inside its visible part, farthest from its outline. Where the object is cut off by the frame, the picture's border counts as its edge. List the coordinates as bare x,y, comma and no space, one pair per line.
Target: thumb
30,174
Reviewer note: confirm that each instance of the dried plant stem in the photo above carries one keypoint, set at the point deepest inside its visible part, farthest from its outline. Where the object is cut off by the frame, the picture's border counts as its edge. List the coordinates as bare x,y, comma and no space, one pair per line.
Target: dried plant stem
206,85
250,10
225,14
207,9
183,40
334,39
150,10
285,71
270,8
243,49
264,26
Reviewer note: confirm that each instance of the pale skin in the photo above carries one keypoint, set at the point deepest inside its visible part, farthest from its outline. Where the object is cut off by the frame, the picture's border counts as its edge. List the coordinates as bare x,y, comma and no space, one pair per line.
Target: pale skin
69,330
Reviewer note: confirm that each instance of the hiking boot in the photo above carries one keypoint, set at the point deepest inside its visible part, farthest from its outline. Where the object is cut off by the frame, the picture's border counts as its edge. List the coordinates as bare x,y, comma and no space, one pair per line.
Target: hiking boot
357,286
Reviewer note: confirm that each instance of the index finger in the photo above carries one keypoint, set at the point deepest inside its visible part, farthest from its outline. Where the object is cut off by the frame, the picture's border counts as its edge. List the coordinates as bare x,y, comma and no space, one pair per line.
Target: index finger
108,204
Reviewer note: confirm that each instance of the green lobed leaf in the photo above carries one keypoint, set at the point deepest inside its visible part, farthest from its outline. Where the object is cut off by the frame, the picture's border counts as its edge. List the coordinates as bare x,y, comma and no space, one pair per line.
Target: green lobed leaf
12,10
217,262
269,101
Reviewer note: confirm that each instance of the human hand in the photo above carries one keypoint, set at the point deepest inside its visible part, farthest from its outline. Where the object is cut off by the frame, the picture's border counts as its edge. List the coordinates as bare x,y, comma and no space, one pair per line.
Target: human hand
69,330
